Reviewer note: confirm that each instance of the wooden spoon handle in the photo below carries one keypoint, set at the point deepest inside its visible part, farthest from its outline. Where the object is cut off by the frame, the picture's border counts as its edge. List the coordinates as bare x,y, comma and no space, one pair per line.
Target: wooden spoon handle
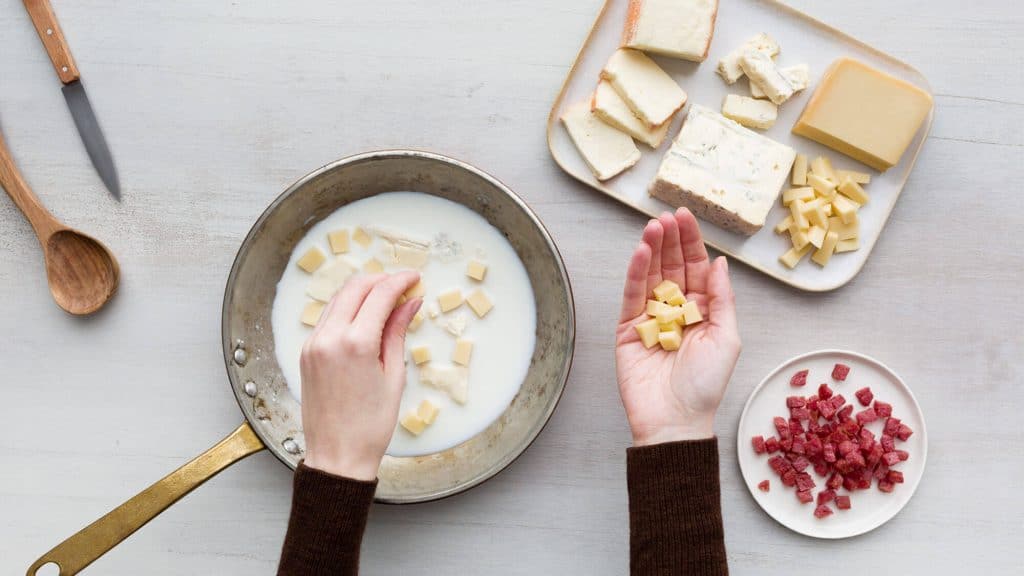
10,179
50,33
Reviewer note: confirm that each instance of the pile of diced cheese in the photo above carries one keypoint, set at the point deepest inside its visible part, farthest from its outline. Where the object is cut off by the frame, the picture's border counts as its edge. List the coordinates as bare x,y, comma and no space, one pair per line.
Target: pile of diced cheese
669,312
822,211
770,85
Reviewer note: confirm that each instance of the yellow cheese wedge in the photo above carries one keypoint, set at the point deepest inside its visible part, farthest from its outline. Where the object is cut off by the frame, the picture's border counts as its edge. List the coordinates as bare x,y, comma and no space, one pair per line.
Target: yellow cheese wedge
463,350
338,241
480,303
670,340
311,260
476,270
648,332
793,256
864,113
800,170
822,255
311,313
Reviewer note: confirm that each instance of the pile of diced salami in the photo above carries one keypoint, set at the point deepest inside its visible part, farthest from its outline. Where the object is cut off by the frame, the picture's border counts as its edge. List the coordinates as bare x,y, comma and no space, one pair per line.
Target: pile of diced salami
824,433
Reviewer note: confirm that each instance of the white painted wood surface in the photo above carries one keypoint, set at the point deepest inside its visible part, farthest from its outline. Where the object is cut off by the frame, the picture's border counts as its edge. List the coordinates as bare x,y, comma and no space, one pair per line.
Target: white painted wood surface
213,107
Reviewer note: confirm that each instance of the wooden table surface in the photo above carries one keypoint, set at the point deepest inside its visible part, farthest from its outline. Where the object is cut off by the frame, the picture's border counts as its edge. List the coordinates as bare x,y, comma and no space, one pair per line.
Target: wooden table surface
212,108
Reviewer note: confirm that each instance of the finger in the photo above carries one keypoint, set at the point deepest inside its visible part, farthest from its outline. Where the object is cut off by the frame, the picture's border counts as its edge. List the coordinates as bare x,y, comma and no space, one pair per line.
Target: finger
694,253
342,308
653,236
393,341
381,302
673,266
635,294
721,300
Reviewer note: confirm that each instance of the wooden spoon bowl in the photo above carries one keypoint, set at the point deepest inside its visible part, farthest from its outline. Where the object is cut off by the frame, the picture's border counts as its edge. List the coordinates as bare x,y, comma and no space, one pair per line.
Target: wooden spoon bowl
82,273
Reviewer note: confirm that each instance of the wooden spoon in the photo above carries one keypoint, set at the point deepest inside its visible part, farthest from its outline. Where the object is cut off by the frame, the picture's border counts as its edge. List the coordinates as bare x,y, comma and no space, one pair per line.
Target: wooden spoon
83,275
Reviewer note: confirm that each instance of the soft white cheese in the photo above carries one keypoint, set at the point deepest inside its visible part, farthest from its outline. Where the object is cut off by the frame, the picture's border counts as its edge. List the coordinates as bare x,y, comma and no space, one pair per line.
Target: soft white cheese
762,71
613,110
729,66
677,28
606,150
799,77
648,90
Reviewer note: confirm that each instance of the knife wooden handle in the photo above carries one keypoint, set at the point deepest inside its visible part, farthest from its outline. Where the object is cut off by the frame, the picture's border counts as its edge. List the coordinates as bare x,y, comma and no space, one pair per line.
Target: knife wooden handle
50,33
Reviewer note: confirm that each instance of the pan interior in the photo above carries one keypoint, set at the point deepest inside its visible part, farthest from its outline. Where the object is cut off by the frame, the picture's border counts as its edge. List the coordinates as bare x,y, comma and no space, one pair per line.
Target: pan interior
248,340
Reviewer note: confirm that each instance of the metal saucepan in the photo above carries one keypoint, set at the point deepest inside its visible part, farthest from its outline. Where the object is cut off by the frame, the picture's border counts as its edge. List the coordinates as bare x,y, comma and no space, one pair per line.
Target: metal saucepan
272,415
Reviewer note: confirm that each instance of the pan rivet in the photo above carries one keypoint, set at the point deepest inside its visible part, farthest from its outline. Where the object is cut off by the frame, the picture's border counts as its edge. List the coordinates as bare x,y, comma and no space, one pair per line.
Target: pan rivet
250,388
290,446
240,357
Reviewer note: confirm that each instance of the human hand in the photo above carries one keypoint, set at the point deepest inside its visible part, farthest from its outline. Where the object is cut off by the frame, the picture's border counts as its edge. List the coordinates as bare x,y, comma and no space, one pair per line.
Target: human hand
353,374
672,396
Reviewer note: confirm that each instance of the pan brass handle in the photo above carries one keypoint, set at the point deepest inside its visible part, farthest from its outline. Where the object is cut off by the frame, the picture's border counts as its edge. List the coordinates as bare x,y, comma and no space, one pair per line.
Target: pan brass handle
96,539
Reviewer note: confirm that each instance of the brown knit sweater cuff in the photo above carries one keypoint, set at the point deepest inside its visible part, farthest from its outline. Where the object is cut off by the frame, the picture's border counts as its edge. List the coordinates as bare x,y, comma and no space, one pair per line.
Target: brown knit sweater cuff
675,514
327,522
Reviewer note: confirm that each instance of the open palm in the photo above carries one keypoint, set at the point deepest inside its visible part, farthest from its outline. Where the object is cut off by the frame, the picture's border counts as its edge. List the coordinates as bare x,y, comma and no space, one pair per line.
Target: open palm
674,395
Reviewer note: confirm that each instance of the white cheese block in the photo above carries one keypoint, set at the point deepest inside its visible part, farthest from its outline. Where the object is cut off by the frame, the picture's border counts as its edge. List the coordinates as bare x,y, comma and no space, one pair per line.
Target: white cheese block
329,278
750,112
613,110
729,66
762,71
648,90
677,28
723,172
606,150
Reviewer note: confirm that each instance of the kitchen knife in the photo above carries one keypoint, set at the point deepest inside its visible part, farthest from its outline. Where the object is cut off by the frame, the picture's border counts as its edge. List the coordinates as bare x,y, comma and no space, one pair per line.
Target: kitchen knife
57,48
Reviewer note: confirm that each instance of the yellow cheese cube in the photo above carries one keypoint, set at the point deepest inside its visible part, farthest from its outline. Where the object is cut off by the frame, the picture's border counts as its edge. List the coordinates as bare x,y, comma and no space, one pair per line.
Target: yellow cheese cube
691,313
416,322
670,340
450,299
822,255
655,307
854,192
664,290
413,423
463,350
800,170
417,290
796,208
677,299
648,332
853,175
669,314
480,303
816,235
806,194
793,256
821,185
420,355
784,224
476,270
427,412
845,231
373,266
671,327
845,208
311,313
338,241
822,167
798,237
847,245
362,238
409,256
311,260
817,216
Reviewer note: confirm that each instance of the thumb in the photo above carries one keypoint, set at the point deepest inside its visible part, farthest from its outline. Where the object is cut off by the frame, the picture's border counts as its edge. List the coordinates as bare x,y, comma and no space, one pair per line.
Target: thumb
393,341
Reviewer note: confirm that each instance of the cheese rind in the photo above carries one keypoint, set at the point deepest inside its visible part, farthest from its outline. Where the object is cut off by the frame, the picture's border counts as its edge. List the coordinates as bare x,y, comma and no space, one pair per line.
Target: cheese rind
613,110
762,71
723,172
648,90
729,67
864,113
750,112
606,151
677,28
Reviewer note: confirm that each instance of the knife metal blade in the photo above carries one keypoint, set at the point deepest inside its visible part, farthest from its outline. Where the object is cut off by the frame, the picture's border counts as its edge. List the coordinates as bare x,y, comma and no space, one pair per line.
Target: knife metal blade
92,135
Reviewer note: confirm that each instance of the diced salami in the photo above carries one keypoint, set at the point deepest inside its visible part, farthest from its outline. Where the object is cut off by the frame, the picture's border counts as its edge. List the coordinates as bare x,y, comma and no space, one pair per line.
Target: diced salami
771,445
826,496
840,371
800,413
837,401
822,511
890,458
866,416
796,402
843,502
864,396
829,452
804,496
894,476
800,463
888,444
883,409
844,414
758,443
799,379
764,485
903,455
781,426
892,426
804,481
825,409
835,481
885,486
904,432
824,392
789,478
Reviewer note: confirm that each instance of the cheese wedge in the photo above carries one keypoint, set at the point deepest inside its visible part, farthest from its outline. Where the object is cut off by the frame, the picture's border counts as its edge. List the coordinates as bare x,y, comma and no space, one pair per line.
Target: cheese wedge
648,90
606,150
677,28
613,110
723,172
729,67
762,71
864,113
750,112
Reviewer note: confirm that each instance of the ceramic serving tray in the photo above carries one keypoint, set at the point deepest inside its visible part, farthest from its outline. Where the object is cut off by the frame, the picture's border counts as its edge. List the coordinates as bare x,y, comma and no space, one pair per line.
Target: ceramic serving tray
804,40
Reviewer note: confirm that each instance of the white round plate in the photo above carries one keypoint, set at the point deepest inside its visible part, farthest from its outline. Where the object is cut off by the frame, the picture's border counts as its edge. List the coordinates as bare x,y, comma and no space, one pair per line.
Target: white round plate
869,508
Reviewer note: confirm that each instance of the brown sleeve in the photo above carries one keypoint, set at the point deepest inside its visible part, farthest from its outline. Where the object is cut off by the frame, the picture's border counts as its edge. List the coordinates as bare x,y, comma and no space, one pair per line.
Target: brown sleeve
326,525
675,511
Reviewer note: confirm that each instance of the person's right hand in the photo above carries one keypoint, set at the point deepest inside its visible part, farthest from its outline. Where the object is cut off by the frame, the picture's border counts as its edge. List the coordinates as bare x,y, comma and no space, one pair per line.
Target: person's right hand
671,396
353,374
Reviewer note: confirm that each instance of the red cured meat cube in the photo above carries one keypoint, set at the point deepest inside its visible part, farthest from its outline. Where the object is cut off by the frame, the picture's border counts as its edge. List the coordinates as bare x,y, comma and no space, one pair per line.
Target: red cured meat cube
894,476
771,445
764,485
885,486
844,414
824,392
864,396
890,458
804,481
758,443
888,444
904,432
850,428
892,426
812,425
821,468
789,478
881,472
829,452
826,496
835,481
786,443
903,455
781,426
866,416
844,466
875,455
812,400
843,502
883,409
813,446
850,484
865,482
822,511
779,464
795,427
856,459
799,379
837,401
804,496
800,413
826,410
800,463
840,371
866,436
798,446
796,402
845,447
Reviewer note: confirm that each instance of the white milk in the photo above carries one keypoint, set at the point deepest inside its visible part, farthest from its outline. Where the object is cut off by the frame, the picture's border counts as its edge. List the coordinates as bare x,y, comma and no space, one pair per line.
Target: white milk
503,339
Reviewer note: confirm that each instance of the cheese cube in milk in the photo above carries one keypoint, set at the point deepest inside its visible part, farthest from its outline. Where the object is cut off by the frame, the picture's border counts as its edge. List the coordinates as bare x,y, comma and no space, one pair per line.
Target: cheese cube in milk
452,380
450,299
413,423
463,350
648,90
311,260
338,241
606,150
311,313
362,237
420,355
476,270
480,303
677,28
427,412
723,172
